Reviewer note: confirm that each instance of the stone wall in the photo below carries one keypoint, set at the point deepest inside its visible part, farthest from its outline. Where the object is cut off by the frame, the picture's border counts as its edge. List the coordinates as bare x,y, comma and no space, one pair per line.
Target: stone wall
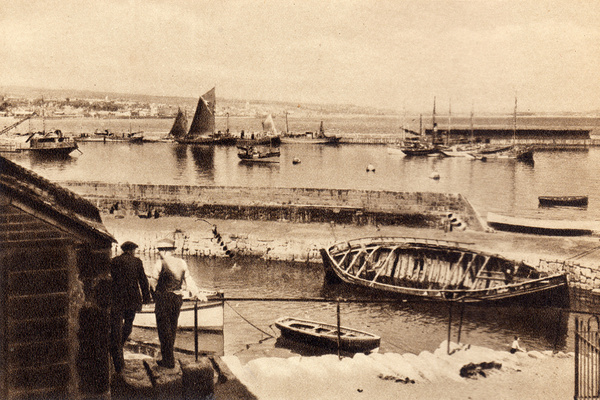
418,209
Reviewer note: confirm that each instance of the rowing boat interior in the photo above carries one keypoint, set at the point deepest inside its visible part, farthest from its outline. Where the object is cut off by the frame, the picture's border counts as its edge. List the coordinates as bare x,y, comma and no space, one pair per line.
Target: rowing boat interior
430,267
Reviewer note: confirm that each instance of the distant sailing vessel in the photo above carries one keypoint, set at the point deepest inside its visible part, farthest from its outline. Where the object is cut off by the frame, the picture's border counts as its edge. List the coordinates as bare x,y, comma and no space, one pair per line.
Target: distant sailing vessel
179,128
310,137
202,129
268,137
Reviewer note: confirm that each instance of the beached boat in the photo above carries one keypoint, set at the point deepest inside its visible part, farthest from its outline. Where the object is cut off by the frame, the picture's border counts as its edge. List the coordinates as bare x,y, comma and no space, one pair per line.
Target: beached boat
548,227
563,201
202,129
258,154
51,144
311,137
326,335
210,314
431,269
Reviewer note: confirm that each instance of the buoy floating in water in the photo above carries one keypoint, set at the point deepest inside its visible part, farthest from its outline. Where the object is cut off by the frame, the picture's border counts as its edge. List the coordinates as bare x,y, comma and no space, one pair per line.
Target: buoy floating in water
370,168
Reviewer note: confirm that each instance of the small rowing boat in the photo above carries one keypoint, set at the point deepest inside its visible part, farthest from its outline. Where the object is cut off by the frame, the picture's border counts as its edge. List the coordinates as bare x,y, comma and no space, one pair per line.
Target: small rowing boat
563,201
536,226
326,335
210,314
431,269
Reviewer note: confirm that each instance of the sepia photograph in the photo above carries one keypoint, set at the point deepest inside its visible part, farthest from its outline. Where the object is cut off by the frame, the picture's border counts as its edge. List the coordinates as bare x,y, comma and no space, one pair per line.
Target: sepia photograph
284,199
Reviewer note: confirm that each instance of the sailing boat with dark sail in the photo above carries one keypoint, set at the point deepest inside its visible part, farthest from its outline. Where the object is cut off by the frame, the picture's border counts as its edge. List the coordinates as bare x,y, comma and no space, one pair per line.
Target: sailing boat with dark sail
179,128
202,129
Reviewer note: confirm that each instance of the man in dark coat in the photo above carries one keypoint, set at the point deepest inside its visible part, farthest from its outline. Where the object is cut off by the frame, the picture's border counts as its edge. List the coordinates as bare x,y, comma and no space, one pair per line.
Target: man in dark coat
130,290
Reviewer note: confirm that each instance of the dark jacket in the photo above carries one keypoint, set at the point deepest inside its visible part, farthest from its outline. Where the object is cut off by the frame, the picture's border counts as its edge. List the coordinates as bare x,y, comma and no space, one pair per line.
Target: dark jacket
130,287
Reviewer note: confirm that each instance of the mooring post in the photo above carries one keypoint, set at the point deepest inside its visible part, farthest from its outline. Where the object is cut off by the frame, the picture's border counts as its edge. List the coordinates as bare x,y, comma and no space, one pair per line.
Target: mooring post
462,312
449,325
339,339
196,329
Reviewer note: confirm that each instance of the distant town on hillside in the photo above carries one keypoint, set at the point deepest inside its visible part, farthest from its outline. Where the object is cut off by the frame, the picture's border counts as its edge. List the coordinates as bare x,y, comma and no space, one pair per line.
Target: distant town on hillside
18,101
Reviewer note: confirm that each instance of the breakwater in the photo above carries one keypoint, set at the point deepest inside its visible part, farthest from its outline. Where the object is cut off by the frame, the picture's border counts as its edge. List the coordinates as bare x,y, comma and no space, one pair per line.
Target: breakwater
304,205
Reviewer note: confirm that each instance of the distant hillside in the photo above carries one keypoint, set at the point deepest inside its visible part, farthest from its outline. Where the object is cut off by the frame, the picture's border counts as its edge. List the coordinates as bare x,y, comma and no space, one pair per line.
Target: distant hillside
223,105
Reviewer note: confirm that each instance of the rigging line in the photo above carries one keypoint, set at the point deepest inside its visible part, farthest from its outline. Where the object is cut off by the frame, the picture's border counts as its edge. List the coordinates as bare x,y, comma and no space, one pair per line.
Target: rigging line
249,323
583,253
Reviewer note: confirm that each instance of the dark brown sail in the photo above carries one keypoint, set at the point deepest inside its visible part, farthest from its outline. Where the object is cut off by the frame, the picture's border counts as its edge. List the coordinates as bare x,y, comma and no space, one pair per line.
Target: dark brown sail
179,128
203,123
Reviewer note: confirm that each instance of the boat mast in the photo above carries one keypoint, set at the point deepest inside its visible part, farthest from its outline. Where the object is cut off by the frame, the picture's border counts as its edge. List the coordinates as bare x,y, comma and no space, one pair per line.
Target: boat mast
449,121
43,117
515,123
472,107
287,128
434,124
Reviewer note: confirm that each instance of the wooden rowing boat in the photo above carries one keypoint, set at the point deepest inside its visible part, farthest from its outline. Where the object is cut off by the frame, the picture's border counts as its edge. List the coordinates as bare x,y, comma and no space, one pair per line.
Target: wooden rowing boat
563,201
548,227
326,335
439,270
210,314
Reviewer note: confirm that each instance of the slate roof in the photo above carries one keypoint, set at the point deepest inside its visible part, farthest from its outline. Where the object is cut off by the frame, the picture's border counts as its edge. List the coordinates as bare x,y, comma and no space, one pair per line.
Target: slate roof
45,195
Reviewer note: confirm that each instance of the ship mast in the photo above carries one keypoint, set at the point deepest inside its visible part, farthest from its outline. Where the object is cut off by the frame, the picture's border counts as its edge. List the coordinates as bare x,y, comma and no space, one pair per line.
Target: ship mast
515,123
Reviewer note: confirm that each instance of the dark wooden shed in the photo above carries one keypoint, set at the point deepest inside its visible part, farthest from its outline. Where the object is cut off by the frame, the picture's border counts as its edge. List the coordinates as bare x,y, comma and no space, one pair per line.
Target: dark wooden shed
54,282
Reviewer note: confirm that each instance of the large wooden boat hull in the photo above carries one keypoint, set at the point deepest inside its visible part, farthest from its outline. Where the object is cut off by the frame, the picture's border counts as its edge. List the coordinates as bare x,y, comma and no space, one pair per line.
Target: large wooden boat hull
326,335
440,270
210,315
563,201
542,226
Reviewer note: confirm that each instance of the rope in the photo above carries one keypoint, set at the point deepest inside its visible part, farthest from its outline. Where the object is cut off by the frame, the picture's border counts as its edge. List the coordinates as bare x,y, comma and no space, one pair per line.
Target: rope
249,323
584,253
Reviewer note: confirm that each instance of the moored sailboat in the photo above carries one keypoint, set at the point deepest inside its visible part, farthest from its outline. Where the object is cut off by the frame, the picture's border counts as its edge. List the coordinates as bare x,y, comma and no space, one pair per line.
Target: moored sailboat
268,136
202,129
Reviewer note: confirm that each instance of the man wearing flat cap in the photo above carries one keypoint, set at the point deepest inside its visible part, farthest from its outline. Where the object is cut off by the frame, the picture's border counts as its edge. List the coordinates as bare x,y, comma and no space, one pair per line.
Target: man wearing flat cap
130,290
172,280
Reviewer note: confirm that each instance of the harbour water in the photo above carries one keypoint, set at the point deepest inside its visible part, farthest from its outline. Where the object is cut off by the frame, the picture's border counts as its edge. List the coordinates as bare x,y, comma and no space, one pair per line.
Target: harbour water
503,186
403,327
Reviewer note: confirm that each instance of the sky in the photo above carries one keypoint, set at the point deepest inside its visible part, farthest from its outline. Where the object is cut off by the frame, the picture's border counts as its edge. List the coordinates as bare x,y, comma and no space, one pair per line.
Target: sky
395,54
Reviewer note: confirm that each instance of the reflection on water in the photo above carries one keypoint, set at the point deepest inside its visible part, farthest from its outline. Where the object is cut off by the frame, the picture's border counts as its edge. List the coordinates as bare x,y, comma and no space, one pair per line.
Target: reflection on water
203,157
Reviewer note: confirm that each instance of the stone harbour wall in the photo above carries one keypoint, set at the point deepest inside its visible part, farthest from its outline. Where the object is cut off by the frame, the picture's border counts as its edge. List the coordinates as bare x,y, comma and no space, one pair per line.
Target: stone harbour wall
204,244
360,207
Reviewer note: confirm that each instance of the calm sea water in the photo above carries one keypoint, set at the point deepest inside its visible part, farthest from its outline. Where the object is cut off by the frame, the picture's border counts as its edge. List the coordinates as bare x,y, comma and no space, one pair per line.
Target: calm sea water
503,186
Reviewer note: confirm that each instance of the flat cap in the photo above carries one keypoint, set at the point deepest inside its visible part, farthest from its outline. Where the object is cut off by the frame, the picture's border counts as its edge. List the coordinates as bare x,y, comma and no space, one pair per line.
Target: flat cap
165,244
128,246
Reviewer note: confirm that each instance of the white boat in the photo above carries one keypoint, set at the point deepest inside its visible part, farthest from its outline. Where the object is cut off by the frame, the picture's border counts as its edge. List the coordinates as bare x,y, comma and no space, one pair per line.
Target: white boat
542,226
210,314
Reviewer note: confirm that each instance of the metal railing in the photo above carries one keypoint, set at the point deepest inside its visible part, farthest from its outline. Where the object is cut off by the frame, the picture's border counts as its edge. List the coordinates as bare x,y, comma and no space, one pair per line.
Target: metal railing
587,358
